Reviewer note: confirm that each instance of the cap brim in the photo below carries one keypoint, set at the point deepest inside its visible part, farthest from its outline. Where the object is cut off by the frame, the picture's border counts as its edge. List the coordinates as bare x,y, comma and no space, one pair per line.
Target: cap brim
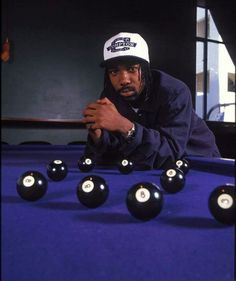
121,60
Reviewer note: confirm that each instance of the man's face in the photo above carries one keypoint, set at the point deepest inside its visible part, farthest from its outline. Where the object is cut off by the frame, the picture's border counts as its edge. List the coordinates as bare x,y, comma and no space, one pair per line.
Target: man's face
126,80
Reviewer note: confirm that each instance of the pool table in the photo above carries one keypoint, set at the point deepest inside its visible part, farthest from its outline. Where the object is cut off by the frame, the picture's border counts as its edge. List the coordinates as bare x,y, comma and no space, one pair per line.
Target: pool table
58,239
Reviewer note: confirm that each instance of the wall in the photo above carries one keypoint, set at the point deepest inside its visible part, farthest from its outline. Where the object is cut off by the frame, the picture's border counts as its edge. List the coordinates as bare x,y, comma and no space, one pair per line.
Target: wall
57,47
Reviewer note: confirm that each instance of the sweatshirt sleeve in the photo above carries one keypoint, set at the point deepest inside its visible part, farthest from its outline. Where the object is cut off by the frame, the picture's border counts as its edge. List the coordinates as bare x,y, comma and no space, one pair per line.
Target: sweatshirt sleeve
167,139
106,146
164,141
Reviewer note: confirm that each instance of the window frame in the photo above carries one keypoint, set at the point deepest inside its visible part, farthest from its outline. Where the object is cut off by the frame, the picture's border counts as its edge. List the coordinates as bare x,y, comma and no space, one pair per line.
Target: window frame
205,41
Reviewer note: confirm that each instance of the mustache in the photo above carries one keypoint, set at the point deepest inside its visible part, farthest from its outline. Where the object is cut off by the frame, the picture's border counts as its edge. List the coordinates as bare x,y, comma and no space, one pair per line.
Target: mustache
126,88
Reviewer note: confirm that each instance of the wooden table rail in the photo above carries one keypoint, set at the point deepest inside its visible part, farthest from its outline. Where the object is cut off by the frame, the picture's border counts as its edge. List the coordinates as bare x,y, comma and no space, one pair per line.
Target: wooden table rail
9,122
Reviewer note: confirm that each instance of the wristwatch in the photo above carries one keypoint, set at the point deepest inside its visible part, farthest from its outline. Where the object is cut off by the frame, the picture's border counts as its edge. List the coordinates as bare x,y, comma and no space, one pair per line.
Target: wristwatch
131,132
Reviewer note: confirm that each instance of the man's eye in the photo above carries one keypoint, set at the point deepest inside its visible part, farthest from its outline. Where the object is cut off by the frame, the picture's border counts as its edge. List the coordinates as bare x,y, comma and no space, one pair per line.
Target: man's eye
112,71
133,69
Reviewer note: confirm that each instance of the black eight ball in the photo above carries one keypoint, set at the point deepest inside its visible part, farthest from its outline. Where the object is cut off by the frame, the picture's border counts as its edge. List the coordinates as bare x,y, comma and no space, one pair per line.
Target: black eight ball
125,166
92,191
31,185
221,203
172,180
86,164
183,165
57,170
144,201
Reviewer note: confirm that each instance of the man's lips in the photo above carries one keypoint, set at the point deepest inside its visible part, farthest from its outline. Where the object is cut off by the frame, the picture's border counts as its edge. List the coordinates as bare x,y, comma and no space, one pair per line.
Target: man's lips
126,94
127,91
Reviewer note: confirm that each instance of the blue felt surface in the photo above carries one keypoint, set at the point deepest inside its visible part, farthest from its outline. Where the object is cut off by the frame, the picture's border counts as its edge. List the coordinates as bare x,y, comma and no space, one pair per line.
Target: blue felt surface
57,239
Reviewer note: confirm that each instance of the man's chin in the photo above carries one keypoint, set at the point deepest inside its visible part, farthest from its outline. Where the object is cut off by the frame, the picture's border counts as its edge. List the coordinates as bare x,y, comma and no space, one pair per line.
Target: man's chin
130,97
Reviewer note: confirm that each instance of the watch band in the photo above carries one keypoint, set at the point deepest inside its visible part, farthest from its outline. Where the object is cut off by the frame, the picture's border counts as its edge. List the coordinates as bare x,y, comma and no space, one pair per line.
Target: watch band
131,132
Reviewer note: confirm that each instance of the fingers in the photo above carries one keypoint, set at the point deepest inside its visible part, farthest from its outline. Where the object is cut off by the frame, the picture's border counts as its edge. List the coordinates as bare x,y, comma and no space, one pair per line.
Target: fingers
89,126
98,102
92,106
92,126
95,114
91,122
88,119
89,110
92,110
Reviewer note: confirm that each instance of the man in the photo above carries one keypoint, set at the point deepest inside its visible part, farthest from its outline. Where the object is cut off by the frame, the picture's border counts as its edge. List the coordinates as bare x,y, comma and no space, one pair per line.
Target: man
144,115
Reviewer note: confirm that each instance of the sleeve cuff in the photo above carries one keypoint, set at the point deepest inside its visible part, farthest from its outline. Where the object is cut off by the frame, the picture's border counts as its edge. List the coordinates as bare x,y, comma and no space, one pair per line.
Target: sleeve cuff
132,142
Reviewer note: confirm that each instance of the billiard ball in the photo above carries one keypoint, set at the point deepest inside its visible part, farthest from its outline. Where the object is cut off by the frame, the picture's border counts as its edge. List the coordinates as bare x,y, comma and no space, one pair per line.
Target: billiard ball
183,165
144,200
92,191
172,180
86,164
125,166
57,170
31,185
221,203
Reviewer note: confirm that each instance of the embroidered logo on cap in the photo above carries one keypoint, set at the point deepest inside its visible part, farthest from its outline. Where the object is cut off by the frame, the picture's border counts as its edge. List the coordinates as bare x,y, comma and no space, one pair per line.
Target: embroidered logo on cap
121,44
125,44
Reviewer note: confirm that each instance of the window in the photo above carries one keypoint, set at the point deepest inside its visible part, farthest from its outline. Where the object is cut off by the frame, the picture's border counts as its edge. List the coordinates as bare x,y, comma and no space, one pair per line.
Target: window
215,72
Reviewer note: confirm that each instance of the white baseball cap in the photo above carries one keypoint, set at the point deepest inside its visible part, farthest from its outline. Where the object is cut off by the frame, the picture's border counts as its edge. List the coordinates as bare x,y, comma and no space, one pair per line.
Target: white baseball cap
124,45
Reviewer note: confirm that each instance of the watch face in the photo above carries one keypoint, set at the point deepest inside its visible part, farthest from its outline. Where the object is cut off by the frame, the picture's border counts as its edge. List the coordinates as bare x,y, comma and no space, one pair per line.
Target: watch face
131,132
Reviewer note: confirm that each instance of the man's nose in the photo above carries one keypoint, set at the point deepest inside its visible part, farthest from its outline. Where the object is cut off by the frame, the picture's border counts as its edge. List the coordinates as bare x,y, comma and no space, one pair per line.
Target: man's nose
124,78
